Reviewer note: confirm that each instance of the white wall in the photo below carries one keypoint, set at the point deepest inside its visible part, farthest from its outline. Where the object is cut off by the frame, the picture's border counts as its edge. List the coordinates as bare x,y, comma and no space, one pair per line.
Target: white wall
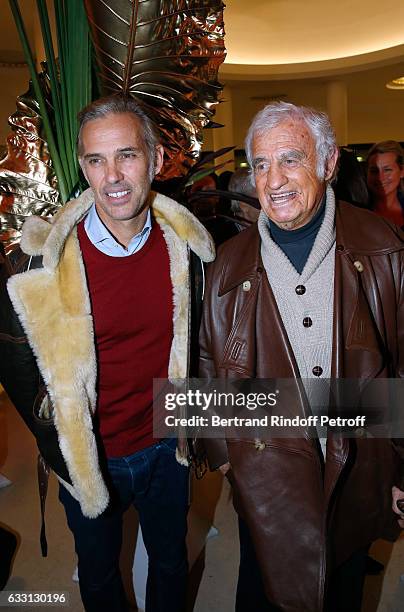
374,112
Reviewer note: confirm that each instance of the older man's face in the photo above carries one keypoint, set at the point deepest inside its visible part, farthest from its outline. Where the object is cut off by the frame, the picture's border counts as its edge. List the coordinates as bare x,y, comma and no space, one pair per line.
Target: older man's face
285,169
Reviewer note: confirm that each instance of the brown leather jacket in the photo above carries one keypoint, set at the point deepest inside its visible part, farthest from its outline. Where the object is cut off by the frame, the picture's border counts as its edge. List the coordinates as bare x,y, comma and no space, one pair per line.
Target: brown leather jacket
306,516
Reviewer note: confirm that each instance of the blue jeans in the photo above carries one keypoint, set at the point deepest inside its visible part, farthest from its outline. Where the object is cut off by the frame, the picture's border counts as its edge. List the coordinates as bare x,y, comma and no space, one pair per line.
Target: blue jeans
157,485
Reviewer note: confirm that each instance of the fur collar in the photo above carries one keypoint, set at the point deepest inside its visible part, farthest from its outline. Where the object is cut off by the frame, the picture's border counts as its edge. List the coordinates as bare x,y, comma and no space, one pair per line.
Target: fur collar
47,237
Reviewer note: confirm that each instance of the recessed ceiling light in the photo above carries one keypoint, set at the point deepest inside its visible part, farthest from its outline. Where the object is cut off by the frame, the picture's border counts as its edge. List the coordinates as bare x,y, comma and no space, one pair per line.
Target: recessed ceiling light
396,83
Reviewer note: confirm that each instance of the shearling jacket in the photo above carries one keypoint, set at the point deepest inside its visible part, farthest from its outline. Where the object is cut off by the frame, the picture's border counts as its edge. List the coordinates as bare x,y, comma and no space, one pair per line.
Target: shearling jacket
305,515
53,305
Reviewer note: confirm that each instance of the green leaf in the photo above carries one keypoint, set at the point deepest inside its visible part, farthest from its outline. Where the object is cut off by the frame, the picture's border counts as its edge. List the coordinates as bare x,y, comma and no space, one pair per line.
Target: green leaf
41,100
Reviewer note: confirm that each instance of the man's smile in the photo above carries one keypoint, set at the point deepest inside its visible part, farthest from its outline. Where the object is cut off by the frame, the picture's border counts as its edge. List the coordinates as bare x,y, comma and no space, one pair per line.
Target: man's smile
117,194
282,199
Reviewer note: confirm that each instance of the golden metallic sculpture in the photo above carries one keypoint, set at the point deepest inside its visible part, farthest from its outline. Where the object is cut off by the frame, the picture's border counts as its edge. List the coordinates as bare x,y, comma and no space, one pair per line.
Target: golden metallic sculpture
27,181
167,54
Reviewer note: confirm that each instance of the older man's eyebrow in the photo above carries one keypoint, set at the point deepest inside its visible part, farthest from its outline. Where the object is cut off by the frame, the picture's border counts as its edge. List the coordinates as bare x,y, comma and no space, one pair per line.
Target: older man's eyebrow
258,160
293,153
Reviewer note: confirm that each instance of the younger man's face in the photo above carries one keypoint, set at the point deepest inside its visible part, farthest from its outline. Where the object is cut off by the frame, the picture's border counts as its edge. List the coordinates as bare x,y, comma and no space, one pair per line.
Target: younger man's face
116,164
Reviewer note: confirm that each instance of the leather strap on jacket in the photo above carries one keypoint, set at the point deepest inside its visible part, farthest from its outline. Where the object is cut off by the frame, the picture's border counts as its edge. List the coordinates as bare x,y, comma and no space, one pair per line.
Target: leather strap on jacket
43,478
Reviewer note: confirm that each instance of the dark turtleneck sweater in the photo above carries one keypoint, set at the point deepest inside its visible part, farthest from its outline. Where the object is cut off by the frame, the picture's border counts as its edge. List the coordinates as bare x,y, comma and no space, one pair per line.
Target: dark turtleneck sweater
297,244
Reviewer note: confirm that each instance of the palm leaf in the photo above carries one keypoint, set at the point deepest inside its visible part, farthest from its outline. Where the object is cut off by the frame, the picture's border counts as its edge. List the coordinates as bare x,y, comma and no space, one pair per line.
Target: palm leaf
165,53
200,174
209,157
70,86
39,96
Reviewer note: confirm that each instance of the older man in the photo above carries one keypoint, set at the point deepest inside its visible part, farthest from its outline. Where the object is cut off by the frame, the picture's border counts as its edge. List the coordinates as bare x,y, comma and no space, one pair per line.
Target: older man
314,289
105,305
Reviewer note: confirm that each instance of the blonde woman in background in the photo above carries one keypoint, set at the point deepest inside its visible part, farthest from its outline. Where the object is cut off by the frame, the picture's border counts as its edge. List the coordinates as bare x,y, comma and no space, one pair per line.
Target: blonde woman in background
385,171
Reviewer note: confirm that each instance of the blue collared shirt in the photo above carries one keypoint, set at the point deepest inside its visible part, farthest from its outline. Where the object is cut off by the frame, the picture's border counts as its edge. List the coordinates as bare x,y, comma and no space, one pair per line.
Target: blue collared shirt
104,241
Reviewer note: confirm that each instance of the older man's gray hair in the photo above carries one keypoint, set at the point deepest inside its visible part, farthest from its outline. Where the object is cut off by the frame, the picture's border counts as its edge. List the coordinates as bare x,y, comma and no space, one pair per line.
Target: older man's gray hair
316,121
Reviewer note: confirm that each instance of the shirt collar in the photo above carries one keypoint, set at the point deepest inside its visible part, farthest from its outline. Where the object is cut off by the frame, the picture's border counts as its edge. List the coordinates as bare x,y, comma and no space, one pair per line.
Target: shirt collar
101,237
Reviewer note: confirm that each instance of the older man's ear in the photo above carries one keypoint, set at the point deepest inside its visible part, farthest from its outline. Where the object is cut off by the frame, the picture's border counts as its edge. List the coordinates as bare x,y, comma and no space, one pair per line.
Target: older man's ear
331,164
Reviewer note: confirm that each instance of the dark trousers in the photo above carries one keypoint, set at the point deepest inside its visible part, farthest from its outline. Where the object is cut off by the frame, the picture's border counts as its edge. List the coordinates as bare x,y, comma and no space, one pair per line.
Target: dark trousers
250,588
157,485
345,588
8,546
344,592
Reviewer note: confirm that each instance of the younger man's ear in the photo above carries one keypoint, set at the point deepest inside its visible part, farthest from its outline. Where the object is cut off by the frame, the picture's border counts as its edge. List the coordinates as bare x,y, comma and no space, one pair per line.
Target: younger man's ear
81,164
158,159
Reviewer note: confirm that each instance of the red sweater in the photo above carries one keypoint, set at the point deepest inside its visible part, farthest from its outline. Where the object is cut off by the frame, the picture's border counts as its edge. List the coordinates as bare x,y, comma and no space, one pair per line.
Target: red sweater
132,307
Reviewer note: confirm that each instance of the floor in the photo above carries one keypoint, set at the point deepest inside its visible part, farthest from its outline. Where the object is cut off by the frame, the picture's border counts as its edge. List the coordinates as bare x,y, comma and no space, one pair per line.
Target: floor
214,572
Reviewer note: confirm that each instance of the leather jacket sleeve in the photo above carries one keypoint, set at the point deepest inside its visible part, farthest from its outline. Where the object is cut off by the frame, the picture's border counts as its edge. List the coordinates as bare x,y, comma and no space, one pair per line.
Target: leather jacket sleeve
400,324
19,372
216,449
398,443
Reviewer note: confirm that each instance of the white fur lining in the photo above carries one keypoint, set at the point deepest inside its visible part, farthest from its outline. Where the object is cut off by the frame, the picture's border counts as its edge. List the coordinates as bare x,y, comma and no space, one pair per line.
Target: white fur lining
54,311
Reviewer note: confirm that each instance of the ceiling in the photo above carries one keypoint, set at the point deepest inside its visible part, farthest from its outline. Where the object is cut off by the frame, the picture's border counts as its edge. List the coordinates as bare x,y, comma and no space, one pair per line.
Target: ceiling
277,40
271,38
277,48
290,31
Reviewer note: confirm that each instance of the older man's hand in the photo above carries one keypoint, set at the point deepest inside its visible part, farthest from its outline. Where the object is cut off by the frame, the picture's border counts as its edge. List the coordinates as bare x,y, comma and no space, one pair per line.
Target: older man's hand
226,467
398,496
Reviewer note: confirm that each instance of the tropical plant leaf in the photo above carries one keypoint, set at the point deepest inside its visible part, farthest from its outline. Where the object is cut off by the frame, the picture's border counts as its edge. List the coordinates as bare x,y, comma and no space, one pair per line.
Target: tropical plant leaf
165,53
28,183
200,174
209,157
39,96
70,86
74,83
